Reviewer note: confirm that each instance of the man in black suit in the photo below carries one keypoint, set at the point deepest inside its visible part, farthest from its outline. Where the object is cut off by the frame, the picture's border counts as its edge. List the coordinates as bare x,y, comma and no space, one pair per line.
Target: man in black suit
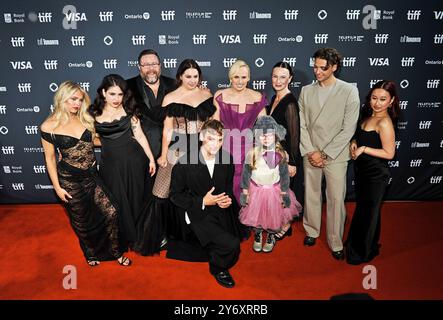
202,192
149,88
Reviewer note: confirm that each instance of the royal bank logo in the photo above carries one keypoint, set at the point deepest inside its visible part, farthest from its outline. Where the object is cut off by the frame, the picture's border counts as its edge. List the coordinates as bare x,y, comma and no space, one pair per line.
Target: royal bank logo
167,15
13,169
290,14
352,14
401,125
413,14
18,186
39,169
407,61
168,39
8,149
438,38
198,15
378,62
78,41
199,39
381,38
170,63
50,64
259,84
24,87
6,169
14,17
260,38
321,38
18,41
105,16
228,62
408,39
349,61
383,15
45,42
21,65
351,38
260,15
229,38
138,39
292,61
229,15
110,63
433,83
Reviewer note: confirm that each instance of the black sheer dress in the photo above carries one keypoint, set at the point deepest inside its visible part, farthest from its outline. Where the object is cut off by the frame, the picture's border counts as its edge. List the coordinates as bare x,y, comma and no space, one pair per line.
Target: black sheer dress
371,179
124,168
92,214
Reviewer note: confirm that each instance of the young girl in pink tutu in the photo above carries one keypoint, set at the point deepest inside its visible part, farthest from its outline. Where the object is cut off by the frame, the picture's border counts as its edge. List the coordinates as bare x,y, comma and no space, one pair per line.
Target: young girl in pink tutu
267,202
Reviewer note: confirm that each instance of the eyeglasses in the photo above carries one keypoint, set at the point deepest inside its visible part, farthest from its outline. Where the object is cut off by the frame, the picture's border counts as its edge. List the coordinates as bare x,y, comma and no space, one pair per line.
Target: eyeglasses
325,68
148,65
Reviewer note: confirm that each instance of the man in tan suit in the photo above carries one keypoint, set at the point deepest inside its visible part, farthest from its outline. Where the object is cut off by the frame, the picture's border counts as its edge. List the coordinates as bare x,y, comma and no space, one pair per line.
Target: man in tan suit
329,110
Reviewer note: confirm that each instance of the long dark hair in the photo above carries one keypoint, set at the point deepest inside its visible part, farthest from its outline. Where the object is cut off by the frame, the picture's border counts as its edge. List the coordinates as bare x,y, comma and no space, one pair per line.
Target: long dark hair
185,65
393,110
282,64
108,81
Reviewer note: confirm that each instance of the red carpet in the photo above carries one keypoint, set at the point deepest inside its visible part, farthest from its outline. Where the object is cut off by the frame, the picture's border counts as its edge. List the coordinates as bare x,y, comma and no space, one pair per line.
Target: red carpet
36,242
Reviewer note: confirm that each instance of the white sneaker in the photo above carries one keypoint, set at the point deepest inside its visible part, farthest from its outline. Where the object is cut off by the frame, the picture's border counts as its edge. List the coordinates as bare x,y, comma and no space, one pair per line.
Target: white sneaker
270,243
258,238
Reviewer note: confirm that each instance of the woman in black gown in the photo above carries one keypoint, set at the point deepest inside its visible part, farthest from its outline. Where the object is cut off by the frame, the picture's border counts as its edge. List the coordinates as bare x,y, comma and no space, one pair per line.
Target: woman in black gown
126,161
75,179
284,109
374,144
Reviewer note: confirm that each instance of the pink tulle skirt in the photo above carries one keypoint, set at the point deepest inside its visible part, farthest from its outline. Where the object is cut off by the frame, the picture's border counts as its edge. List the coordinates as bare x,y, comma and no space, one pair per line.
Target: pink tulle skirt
265,209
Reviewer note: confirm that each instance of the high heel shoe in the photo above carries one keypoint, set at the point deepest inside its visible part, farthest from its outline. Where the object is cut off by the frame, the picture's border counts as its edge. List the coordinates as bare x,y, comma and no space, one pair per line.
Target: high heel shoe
279,236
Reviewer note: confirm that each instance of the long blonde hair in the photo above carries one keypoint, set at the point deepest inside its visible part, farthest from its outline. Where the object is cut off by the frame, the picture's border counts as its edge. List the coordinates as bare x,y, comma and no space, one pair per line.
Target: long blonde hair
255,152
61,116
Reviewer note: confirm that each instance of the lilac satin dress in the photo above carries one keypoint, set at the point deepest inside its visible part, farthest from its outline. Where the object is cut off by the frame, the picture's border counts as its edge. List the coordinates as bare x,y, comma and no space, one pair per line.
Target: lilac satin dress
238,141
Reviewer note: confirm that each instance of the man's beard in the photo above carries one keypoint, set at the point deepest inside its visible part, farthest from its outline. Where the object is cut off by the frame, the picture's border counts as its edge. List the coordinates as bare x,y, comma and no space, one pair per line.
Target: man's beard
151,79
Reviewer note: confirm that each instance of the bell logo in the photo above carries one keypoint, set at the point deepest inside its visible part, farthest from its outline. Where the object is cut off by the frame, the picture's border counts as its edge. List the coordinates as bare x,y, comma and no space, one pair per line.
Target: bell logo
21,65
229,39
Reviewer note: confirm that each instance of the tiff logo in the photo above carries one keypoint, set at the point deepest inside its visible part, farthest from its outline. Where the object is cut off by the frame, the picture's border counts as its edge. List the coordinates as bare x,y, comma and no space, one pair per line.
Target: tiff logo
50,64
78,41
24,87
229,14
8,149
170,63
44,17
18,41
413,14
18,186
432,83
105,16
3,109
381,37
228,62
291,61
435,179
438,15
352,14
199,38
403,104
168,15
321,38
415,163
259,84
40,169
138,40
84,85
438,38
260,38
373,82
349,61
397,144
31,129
407,61
291,14
424,125
110,63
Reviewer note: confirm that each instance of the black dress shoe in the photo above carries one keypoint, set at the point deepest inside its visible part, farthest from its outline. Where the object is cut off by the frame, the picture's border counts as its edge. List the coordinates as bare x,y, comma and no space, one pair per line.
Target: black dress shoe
224,279
339,255
309,241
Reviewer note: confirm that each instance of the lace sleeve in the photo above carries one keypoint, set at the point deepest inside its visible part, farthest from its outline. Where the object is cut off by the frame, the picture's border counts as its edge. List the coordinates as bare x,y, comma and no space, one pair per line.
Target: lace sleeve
293,141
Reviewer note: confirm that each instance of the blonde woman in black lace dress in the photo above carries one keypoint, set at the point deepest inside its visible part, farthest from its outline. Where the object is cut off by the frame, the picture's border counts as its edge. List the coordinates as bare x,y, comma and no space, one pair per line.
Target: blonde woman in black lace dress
92,215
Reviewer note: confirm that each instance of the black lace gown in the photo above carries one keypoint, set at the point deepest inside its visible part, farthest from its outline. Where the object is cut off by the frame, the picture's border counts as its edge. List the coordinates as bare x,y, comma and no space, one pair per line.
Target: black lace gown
124,168
371,179
92,214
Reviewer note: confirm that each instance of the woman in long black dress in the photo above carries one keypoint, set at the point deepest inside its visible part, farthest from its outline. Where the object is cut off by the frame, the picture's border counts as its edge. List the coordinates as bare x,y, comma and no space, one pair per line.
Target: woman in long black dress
284,109
126,161
374,144
75,179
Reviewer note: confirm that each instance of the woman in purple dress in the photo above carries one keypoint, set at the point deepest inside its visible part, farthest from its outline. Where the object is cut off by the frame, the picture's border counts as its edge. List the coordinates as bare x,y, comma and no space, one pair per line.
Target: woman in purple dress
238,107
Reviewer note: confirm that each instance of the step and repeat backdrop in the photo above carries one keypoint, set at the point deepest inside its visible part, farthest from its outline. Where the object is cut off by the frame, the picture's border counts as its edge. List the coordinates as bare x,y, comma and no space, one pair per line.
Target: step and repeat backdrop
43,43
